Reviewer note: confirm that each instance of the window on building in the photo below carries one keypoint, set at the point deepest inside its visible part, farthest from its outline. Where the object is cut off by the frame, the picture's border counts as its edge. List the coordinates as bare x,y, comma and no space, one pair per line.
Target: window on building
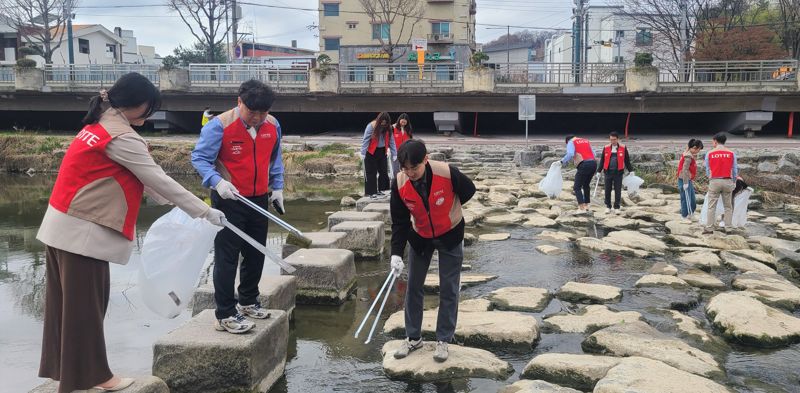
352,26
332,43
441,28
330,9
620,34
644,37
83,46
381,31
111,51
619,59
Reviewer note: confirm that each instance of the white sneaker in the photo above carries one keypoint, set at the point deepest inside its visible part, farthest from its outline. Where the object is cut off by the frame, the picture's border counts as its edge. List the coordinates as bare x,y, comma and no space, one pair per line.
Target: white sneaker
607,211
617,211
442,353
234,324
253,311
407,347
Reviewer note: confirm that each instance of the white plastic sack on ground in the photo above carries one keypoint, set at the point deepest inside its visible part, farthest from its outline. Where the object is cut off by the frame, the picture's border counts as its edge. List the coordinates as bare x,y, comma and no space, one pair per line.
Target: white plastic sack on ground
632,183
173,253
552,183
739,216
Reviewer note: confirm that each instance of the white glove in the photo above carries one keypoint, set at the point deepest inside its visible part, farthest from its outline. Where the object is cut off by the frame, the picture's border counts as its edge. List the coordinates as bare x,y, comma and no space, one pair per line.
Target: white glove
631,173
397,265
226,190
361,156
686,186
277,197
215,216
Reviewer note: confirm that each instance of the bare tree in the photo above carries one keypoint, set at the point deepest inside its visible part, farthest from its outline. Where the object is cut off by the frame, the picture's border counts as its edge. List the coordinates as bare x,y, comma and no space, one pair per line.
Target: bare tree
40,23
788,26
206,22
404,14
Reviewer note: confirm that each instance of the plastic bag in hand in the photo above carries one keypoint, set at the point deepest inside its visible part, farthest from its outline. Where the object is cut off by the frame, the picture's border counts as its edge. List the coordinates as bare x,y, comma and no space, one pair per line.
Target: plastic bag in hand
739,216
173,254
552,183
632,183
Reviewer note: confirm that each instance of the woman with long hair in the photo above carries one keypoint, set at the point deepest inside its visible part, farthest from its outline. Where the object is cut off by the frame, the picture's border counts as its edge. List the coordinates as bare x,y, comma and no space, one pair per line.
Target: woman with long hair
90,222
377,141
687,171
403,131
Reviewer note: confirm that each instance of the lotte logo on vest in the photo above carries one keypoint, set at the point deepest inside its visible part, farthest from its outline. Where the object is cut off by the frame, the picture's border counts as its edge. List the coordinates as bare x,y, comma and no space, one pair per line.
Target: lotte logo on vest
440,201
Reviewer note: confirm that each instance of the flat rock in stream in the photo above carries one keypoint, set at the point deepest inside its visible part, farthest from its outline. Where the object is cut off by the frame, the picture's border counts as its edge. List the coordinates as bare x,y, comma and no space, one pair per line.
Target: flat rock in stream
467,280
505,219
636,240
595,244
536,386
539,221
686,241
660,280
758,256
577,292
682,299
473,305
587,320
700,279
663,268
642,375
744,264
526,299
690,327
637,338
774,289
557,236
744,320
705,260
725,242
484,329
548,249
463,362
574,221
776,244
493,237
617,222
677,227
573,370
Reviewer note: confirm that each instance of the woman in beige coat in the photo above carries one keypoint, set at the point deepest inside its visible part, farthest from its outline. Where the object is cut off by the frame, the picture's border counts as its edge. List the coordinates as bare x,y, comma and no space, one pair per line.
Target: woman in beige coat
90,221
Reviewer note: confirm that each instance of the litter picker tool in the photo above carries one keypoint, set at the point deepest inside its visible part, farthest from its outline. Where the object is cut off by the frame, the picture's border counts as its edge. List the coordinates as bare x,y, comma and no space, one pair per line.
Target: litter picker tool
596,184
688,205
260,247
294,237
387,286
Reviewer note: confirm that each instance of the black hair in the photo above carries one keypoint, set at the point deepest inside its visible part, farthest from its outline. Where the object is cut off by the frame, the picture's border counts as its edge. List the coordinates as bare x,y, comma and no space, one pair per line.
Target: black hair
411,153
256,96
129,91
379,129
720,137
409,130
568,138
614,134
695,143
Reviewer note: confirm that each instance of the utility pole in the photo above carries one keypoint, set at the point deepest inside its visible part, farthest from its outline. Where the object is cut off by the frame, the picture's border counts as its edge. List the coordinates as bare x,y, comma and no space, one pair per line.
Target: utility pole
508,50
684,39
227,30
69,15
235,22
577,42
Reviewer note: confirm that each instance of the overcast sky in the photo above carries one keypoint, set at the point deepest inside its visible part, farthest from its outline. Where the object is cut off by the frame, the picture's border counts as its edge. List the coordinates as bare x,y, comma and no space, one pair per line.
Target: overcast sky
154,25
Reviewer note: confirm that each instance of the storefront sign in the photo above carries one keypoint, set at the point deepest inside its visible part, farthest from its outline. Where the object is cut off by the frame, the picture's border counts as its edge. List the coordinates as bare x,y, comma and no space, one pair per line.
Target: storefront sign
435,56
373,56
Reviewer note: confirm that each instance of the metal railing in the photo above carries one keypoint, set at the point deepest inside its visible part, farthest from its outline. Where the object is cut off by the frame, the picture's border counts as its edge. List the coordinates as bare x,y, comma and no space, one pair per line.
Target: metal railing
401,75
730,72
222,75
7,75
557,74
95,75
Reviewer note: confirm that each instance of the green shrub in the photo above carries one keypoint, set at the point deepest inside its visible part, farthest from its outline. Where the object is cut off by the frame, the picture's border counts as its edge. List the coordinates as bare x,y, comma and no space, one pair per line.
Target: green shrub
26,63
643,60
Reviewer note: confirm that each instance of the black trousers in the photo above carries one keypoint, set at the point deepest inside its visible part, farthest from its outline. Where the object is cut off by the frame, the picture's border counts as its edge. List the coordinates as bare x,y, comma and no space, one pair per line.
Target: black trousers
376,172
228,246
613,179
583,181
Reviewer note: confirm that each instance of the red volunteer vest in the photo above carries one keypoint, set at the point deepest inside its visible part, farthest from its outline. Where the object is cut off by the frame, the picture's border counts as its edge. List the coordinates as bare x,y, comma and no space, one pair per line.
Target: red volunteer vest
720,163
620,157
247,160
84,169
692,167
373,141
445,207
583,148
399,137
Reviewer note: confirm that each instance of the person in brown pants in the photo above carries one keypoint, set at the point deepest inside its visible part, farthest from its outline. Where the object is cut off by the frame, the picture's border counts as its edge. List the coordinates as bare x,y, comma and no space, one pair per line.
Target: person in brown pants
90,221
722,169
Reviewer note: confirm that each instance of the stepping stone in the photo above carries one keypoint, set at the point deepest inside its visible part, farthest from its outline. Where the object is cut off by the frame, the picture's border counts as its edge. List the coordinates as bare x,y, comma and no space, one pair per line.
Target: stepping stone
324,275
525,299
687,241
589,319
660,280
463,362
347,201
557,236
197,358
575,371
501,198
700,279
772,220
595,244
505,219
467,280
772,288
758,256
366,239
537,386
744,320
362,202
573,221
576,292
469,239
637,374
617,222
705,260
745,264
534,203
636,240
492,237
383,209
473,305
471,217
549,213
663,268
775,244
539,221
690,327
637,338
481,329
142,384
676,227
725,242
318,240
681,299
343,216
548,250
275,292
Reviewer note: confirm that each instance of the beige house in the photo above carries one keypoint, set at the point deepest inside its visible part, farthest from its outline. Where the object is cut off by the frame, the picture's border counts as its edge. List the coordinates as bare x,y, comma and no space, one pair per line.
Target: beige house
444,23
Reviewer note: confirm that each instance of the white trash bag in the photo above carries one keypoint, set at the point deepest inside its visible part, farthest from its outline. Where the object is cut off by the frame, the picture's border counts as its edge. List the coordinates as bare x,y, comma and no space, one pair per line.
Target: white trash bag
173,254
552,183
739,216
632,183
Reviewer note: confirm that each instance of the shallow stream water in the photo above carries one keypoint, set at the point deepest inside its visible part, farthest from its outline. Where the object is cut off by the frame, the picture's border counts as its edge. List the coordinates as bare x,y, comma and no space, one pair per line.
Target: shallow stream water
323,355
